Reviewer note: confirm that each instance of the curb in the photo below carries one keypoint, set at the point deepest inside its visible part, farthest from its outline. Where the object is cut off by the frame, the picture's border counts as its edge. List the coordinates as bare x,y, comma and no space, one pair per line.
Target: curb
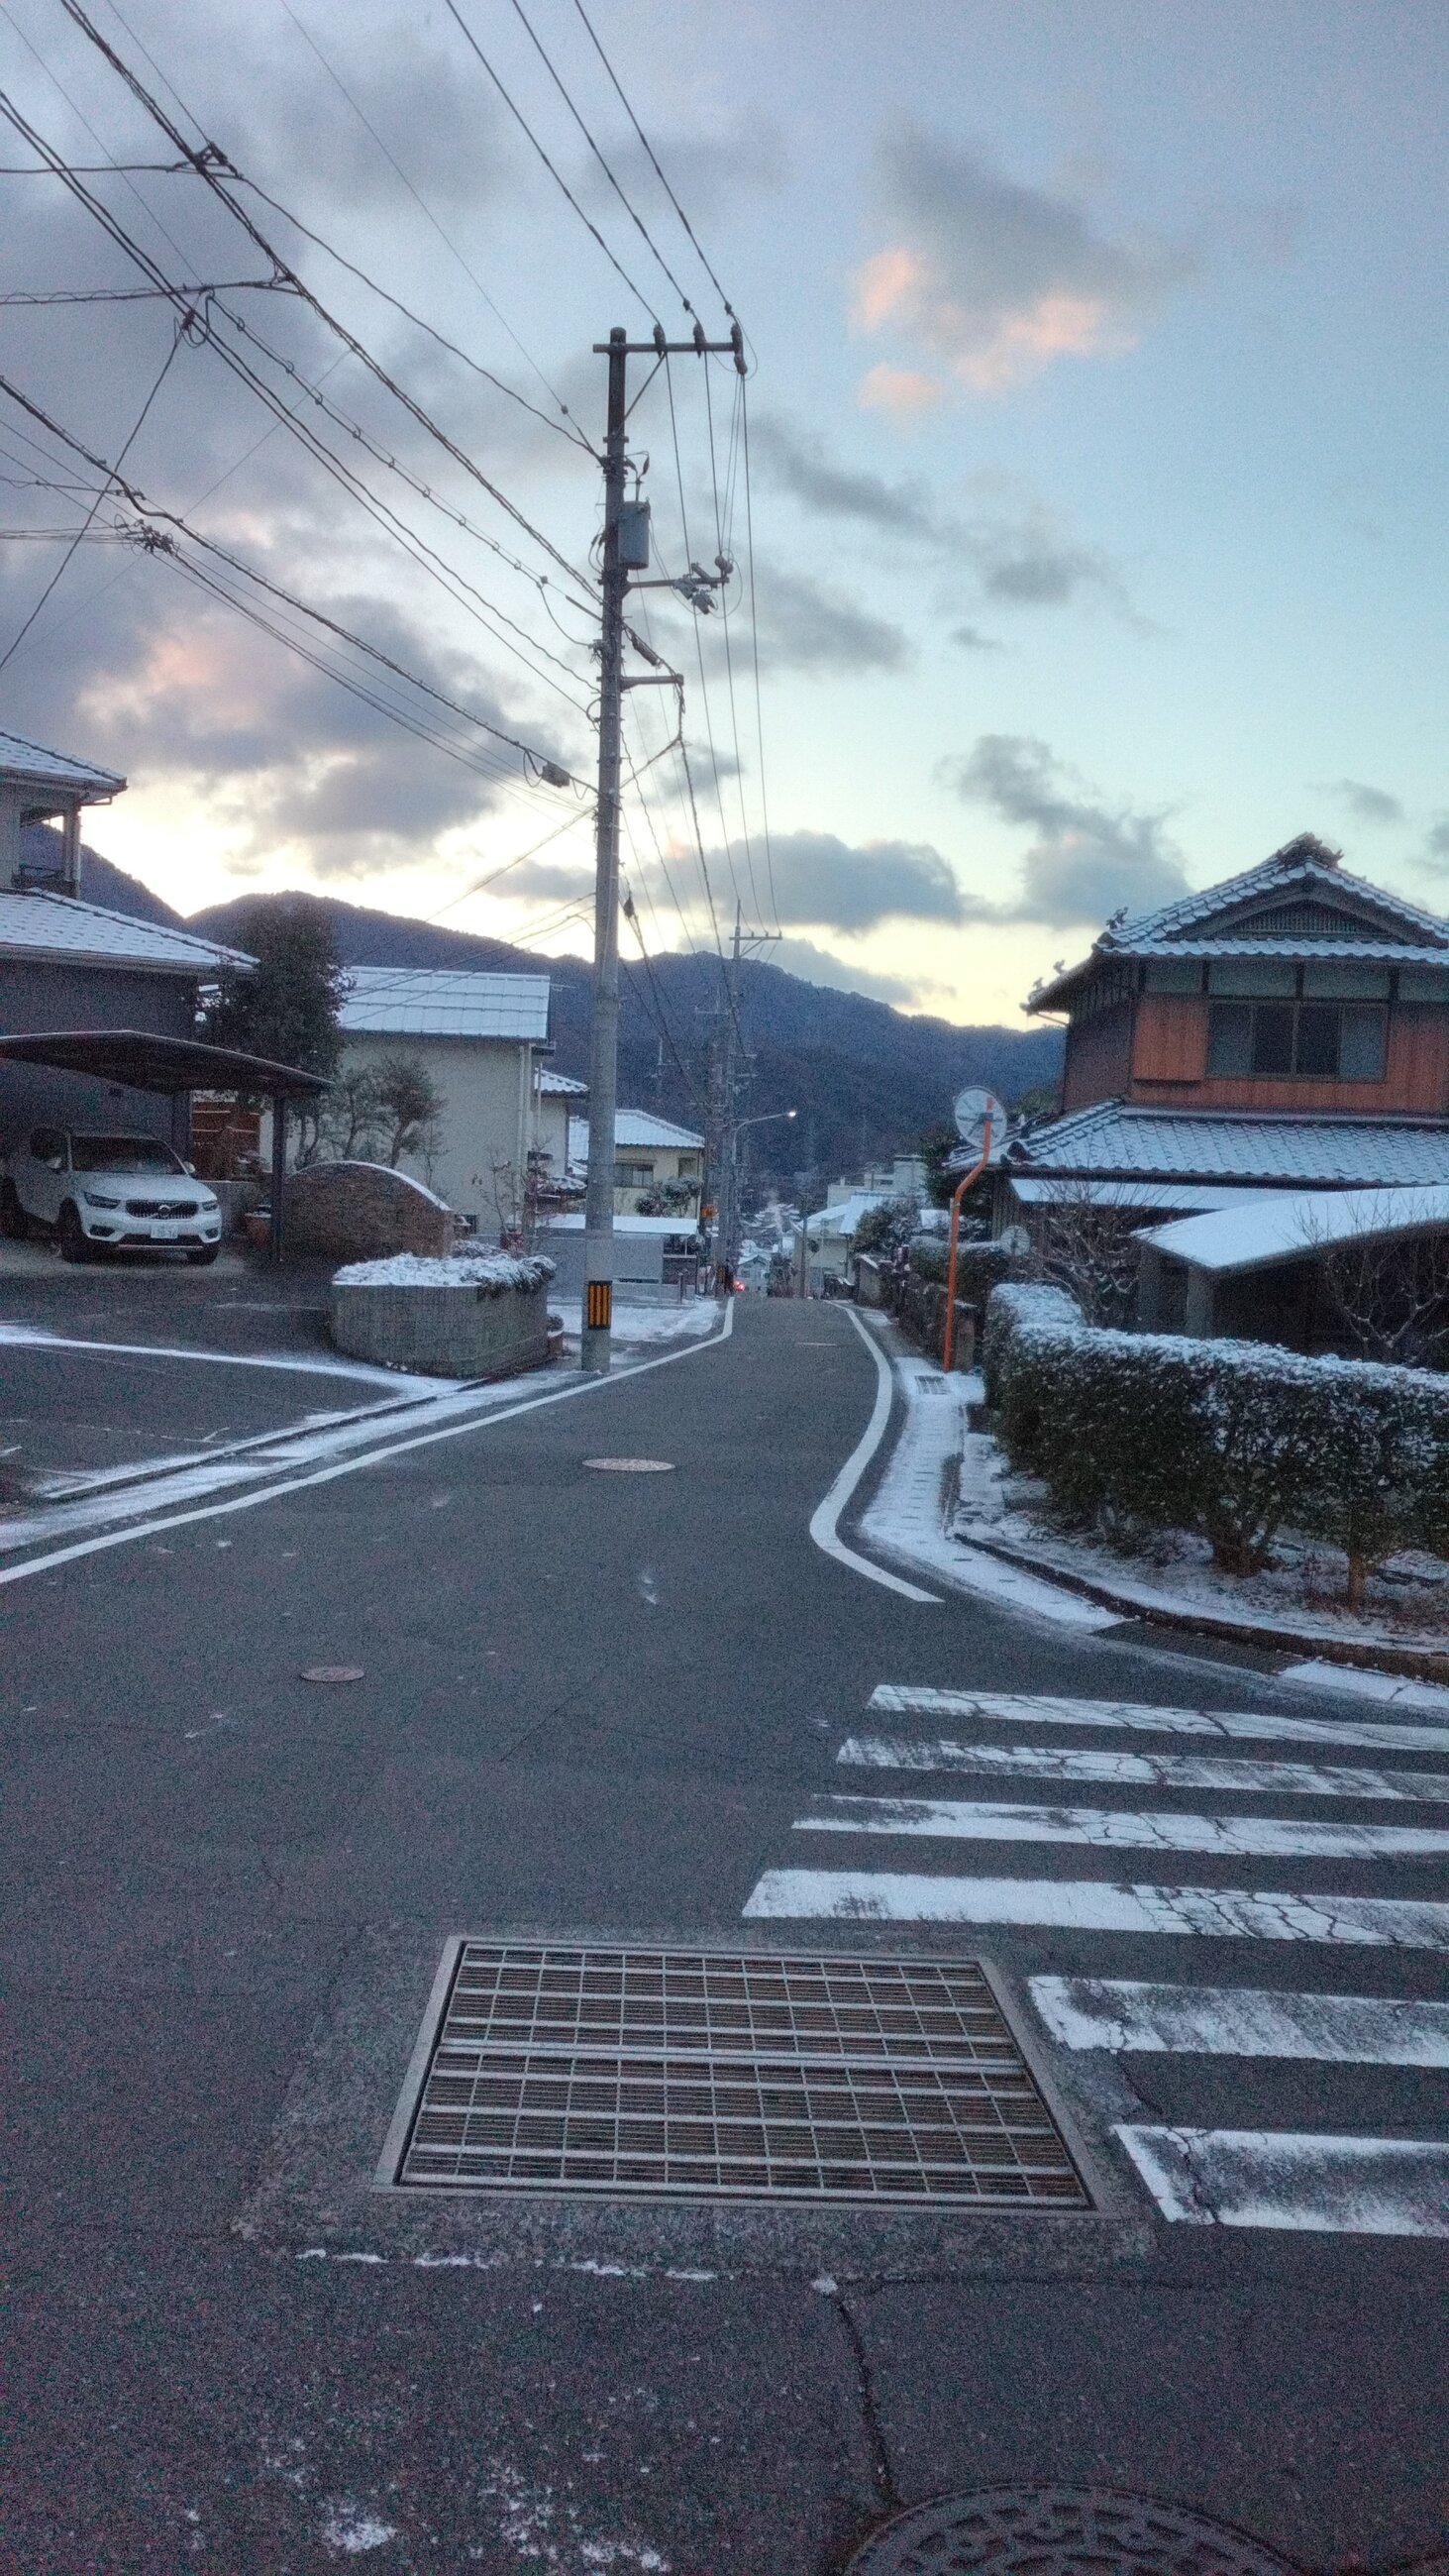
1409,1663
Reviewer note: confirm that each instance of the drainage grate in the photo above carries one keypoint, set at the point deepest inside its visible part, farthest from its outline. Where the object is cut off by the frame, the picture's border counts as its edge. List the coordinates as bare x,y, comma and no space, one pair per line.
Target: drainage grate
1060,2531
677,2073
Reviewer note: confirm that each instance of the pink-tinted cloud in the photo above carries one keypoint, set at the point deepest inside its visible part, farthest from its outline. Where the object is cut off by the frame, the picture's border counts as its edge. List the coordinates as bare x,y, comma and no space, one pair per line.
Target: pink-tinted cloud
902,391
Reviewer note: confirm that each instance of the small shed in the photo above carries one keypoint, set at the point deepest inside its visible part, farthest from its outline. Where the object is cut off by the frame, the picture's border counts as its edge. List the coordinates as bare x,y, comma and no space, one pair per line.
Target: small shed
1260,1270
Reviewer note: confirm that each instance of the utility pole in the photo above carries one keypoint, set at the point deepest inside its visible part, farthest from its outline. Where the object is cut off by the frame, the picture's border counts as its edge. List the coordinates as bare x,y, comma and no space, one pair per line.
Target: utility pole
626,550
727,1190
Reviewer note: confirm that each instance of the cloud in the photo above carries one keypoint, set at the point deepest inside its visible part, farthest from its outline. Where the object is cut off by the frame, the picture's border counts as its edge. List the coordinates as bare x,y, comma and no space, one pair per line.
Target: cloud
1029,560
801,465
1366,804
996,279
904,392
1088,859
971,640
817,966
807,625
1438,838
829,884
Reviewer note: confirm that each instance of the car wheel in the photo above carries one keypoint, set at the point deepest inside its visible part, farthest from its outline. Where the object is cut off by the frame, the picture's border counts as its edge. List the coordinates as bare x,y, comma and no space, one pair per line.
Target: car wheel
202,1259
70,1237
14,1223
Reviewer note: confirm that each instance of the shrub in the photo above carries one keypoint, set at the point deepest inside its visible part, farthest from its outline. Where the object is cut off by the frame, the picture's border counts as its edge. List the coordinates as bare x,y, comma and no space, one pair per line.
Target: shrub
1234,1439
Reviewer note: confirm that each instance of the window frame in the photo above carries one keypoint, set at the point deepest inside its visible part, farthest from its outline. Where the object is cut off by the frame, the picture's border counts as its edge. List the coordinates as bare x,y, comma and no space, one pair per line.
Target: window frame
1296,1009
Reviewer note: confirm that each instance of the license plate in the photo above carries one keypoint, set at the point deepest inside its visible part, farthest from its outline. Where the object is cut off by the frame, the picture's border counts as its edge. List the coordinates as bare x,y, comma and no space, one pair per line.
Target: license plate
164,1233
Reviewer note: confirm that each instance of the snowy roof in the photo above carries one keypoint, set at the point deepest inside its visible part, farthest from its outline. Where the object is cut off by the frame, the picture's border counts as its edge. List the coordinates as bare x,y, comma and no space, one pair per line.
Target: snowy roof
444,1002
1297,1222
81,779
845,1215
1114,1136
39,924
684,1225
559,1086
1330,913
636,1127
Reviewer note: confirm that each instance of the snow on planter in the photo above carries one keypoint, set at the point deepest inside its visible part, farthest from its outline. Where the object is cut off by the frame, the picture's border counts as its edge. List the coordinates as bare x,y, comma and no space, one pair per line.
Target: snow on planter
468,1314
1233,1439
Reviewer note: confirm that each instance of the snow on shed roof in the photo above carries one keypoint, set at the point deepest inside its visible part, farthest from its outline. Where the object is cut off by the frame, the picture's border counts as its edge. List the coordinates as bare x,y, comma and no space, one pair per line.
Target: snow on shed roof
80,778
636,1127
1115,1136
39,924
444,1002
1294,1223
844,1217
627,1224
559,1086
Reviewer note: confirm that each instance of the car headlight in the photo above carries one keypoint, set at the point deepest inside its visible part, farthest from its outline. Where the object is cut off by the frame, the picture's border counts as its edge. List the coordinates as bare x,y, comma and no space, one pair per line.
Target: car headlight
209,1206
98,1198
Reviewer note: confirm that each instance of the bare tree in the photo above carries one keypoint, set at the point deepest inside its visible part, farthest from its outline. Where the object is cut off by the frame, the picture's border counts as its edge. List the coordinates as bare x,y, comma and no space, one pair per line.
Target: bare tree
352,1121
1084,1242
1389,1293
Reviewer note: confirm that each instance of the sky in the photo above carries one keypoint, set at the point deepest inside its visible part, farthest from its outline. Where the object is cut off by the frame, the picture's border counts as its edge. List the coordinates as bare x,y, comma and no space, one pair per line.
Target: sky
1084,500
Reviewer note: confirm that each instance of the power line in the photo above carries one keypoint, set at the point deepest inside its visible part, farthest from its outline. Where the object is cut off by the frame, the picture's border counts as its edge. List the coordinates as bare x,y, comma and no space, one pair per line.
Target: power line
721,558
443,235
649,148
755,651
554,173
209,164
635,219
84,529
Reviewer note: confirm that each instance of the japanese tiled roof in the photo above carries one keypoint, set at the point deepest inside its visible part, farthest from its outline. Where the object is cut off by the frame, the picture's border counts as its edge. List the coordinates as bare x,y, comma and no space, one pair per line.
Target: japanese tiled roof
1115,1137
30,760
1300,903
56,926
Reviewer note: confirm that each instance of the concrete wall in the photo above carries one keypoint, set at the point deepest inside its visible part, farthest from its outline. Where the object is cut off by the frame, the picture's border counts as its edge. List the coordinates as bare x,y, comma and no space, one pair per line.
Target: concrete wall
445,1332
361,1212
487,1085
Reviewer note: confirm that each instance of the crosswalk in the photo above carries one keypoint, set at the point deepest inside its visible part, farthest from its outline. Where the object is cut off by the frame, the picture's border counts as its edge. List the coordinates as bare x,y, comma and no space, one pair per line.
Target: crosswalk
1362,1882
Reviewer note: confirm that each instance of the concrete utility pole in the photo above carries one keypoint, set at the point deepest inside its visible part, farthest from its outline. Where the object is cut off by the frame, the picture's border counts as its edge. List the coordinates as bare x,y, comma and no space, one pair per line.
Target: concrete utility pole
727,1191
626,550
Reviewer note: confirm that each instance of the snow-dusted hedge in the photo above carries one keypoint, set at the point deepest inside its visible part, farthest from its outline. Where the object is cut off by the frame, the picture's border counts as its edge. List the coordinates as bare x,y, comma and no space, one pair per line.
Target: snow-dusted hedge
491,1271
1235,1439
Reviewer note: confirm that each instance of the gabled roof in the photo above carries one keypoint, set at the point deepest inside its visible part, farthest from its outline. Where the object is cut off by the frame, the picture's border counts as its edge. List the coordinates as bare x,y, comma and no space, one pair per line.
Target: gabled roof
444,1002
558,1086
38,925
1290,906
639,1127
1115,1137
78,778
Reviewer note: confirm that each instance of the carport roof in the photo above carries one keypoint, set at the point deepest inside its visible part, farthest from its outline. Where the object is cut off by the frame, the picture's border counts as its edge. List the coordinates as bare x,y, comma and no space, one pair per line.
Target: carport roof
142,1061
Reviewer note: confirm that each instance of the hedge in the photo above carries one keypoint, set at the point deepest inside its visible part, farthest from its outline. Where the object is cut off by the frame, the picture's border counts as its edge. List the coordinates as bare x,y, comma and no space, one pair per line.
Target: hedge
1234,1439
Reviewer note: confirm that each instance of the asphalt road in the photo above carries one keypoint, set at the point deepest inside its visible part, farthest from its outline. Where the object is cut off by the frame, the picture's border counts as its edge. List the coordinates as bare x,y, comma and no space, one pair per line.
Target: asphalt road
596,1705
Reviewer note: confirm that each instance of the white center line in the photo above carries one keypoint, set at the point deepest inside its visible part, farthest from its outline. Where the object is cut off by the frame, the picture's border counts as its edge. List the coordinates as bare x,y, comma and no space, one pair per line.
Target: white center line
896,1699
1268,2178
1152,1770
1097,1905
1124,1829
1124,2014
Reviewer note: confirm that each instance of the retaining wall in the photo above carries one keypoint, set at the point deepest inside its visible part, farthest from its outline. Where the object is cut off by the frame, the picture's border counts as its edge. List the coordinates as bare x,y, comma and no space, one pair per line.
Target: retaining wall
464,1332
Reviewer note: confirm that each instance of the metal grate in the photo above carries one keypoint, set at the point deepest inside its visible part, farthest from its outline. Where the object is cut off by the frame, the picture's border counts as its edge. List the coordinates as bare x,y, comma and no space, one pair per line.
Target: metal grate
700,2075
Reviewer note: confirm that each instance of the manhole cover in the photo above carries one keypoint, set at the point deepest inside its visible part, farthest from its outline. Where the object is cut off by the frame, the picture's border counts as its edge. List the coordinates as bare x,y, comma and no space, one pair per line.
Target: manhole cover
332,1672
632,1466
705,2075
1060,2531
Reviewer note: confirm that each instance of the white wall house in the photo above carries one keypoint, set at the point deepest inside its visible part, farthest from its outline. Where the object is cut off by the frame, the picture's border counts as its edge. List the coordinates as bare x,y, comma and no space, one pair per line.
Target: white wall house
560,1129
648,1152
477,1035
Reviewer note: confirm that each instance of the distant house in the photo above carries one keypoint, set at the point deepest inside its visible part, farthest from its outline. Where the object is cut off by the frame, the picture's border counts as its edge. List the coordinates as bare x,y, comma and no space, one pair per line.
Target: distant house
554,1139
650,1156
477,1036
70,966
1285,1030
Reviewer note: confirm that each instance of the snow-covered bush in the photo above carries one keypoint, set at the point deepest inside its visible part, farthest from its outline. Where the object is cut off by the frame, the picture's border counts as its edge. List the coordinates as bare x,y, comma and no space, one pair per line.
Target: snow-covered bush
1235,1439
493,1272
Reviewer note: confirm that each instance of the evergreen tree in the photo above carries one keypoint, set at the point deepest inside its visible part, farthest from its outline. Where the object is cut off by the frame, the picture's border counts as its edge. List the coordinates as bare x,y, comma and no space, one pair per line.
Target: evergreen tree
286,1009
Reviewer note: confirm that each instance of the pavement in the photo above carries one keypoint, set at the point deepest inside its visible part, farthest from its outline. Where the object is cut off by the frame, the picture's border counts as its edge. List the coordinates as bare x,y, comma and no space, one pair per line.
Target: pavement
598,1707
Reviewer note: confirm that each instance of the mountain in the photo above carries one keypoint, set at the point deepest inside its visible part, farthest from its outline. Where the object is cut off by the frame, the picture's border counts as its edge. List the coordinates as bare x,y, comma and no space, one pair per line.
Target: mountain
865,1080
100,881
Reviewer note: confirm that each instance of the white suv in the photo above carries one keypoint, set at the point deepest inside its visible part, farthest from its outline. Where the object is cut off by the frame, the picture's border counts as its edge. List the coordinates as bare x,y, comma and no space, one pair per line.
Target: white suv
89,1191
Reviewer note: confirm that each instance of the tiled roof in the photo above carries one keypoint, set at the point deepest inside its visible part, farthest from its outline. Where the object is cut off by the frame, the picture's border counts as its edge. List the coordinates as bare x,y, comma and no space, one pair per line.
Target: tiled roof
1243,1145
638,1127
56,925
1303,869
22,759
444,1002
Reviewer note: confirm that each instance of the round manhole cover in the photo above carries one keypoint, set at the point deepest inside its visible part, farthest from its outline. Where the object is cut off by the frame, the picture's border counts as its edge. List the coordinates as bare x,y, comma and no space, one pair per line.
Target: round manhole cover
332,1672
1060,2531
632,1466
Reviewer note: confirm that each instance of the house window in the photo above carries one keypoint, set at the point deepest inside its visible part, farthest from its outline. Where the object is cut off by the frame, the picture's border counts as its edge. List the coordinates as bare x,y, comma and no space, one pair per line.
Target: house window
1320,1041
633,1176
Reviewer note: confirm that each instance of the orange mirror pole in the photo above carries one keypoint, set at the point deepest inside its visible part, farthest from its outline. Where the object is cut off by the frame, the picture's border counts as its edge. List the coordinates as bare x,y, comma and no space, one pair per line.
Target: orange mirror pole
962,1187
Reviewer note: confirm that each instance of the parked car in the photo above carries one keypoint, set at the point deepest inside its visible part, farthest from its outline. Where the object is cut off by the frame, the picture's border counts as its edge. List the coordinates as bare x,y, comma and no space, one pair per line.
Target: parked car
123,1191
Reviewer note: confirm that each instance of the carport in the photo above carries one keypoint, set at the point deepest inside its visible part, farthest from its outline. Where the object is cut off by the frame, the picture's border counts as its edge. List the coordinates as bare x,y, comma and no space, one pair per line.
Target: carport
172,1067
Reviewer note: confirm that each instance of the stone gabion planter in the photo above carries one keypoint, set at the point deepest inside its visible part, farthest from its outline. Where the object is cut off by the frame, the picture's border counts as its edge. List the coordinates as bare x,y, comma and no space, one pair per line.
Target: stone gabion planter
483,1315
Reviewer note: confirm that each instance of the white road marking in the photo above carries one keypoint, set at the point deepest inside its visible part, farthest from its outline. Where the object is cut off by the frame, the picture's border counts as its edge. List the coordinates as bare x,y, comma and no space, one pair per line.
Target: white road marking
1282,2178
34,1337
1152,1770
1097,1905
1124,2014
374,1457
1127,1716
1123,1829
824,1521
